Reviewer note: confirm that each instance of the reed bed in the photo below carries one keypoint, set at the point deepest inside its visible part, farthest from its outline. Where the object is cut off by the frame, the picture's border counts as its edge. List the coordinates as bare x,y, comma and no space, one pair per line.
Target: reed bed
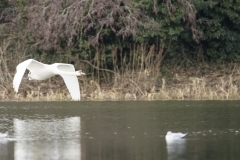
141,73
137,86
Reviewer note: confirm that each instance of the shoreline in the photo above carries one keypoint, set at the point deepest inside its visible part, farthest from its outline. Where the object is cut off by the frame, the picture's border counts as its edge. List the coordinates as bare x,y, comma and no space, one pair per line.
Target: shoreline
178,87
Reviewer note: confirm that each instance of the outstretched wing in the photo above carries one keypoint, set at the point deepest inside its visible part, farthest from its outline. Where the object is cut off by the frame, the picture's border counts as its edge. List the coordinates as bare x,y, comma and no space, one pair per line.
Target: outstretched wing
70,81
73,86
21,68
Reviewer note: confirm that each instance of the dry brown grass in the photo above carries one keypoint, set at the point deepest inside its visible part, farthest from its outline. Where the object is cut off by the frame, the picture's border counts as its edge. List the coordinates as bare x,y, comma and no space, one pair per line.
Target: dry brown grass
194,89
140,85
141,73
133,86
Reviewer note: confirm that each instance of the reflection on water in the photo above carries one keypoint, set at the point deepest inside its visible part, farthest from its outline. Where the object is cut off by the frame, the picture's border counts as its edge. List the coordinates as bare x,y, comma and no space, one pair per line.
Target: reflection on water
119,130
3,148
34,129
43,138
176,145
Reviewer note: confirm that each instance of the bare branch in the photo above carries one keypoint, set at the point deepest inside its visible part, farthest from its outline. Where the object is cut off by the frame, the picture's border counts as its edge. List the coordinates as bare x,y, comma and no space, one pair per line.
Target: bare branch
60,23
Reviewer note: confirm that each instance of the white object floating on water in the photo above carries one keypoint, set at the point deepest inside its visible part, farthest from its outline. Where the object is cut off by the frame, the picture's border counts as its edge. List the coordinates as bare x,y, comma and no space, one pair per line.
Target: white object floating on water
3,138
41,71
3,135
176,145
174,136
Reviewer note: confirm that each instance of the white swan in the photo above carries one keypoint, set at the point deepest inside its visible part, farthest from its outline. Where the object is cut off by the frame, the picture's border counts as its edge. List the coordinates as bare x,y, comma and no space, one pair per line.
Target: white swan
174,136
41,71
176,145
3,135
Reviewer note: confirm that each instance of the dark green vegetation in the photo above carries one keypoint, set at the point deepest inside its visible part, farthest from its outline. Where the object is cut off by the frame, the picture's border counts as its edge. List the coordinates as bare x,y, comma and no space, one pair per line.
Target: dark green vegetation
121,42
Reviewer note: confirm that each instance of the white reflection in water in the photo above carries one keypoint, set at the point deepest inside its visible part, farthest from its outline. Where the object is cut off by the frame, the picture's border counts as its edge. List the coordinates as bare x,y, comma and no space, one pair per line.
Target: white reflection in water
4,149
52,139
3,146
176,145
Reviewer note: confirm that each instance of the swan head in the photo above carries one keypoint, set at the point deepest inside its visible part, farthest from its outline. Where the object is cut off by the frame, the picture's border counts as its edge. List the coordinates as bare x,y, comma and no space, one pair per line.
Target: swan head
81,73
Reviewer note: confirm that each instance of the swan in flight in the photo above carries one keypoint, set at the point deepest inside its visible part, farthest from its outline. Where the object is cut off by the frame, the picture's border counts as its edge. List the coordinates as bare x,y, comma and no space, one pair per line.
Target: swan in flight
41,71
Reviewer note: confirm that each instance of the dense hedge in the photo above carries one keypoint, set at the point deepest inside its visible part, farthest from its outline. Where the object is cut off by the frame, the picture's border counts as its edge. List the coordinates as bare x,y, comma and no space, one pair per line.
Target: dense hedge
209,29
90,30
222,32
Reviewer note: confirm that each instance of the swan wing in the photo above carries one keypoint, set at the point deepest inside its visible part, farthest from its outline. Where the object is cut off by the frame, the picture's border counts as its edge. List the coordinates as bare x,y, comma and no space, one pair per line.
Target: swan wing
71,81
21,68
35,66
73,86
29,64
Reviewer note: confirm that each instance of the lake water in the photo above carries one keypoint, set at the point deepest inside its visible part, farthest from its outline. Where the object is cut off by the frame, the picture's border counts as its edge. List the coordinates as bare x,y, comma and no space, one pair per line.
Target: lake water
129,130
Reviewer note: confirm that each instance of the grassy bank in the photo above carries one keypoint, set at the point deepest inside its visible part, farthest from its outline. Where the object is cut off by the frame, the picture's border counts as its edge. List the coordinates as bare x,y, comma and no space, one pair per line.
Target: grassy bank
196,83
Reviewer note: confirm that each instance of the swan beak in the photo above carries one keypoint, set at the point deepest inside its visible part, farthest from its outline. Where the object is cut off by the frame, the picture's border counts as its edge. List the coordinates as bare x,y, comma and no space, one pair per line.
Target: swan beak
82,73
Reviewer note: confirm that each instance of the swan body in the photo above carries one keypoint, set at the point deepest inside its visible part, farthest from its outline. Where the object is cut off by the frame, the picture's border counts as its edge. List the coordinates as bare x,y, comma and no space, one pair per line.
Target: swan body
174,136
41,71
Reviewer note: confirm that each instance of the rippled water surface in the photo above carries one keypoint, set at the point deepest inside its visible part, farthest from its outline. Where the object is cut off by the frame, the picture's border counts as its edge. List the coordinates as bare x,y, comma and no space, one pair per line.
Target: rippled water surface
119,130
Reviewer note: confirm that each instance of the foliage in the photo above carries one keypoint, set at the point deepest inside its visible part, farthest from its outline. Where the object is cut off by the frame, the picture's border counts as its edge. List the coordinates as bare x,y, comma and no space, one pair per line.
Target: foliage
122,34
175,17
221,32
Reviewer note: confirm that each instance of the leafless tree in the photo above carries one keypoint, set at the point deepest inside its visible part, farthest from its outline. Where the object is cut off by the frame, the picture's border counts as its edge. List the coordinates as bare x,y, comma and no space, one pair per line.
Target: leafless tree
60,23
